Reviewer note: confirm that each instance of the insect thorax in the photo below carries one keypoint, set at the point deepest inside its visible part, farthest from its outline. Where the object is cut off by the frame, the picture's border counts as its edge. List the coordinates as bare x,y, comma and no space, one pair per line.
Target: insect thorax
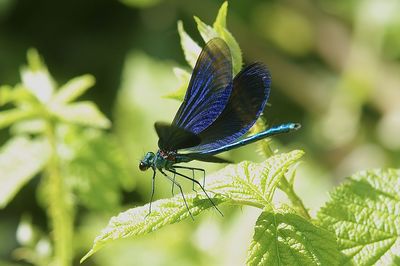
165,159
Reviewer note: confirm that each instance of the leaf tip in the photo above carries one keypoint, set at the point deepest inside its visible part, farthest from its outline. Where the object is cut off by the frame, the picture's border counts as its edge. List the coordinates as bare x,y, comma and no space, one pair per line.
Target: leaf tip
84,258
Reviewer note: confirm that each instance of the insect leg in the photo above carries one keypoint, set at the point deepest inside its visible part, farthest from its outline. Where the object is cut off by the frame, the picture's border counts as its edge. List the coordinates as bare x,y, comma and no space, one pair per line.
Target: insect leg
198,183
173,186
180,188
193,169
152,191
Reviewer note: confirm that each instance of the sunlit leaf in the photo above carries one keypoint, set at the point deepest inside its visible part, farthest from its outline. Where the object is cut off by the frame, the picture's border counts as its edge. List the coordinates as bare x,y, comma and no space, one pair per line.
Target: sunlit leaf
219,30
20,160
82,113
285,238
207,32
233,45
5,94
36,78
190,48
9,117
246,183
220,20
29,126
96,169
134,223
73,89
364,214
252,183
19,96
183,80
222,31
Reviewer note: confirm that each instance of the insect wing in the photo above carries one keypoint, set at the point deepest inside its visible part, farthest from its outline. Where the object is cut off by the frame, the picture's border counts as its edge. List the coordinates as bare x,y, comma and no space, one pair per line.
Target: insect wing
172,138
209,88
251,88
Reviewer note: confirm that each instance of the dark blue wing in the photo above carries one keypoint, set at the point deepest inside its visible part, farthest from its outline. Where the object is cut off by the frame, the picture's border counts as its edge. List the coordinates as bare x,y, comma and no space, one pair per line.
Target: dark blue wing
209,88
172,138
250,93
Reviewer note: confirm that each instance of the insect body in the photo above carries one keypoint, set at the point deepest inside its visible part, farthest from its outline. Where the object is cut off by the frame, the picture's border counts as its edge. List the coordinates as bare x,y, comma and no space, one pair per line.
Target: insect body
217,111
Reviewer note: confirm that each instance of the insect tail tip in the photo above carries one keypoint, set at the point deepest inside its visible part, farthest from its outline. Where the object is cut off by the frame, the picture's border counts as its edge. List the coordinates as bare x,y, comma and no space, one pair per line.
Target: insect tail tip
296,126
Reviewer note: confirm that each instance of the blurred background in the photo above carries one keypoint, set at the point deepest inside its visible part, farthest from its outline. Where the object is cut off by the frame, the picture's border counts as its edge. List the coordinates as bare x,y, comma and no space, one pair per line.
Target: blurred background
335,69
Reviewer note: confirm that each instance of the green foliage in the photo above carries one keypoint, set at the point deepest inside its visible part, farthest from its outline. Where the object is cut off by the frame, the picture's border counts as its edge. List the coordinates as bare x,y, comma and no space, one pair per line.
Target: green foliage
243,184
364,214
39,115
20,160
135,222
95,168
250,183
358,225
62,142
192,50
282,237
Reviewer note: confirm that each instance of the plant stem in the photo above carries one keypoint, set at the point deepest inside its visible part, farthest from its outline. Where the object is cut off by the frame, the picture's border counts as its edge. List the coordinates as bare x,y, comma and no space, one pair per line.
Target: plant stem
298,205
60,210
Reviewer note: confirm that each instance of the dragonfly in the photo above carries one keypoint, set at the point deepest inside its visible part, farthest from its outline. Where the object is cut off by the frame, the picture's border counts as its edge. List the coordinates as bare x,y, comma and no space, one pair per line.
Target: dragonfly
216,113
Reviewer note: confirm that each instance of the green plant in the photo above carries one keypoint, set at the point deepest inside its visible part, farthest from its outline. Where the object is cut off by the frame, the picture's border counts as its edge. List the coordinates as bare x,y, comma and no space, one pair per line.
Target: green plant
359,225
54,137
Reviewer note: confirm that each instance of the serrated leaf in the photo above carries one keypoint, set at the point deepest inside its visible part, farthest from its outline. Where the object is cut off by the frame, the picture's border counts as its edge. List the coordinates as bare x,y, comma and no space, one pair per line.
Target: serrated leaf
9,117
183,80
233,45
364,214
285,238
190,48
207,32
221,16
73,89
252,183
246,183
20,160
81,113
133,222
220,28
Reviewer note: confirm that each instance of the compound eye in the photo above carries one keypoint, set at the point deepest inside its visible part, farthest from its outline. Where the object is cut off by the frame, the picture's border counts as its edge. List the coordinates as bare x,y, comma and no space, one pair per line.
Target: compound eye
142,166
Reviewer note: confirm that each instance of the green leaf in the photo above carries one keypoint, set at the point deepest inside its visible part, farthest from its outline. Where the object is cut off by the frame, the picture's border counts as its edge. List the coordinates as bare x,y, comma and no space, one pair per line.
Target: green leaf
95,167
19,96
220,20
285,238
29,126
134,223
183,80
252,183
364,214
5,94
20,160
81,113
9,117
246,183
219,30
206,31
233,45
190,48
222,31
36,78
73,89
